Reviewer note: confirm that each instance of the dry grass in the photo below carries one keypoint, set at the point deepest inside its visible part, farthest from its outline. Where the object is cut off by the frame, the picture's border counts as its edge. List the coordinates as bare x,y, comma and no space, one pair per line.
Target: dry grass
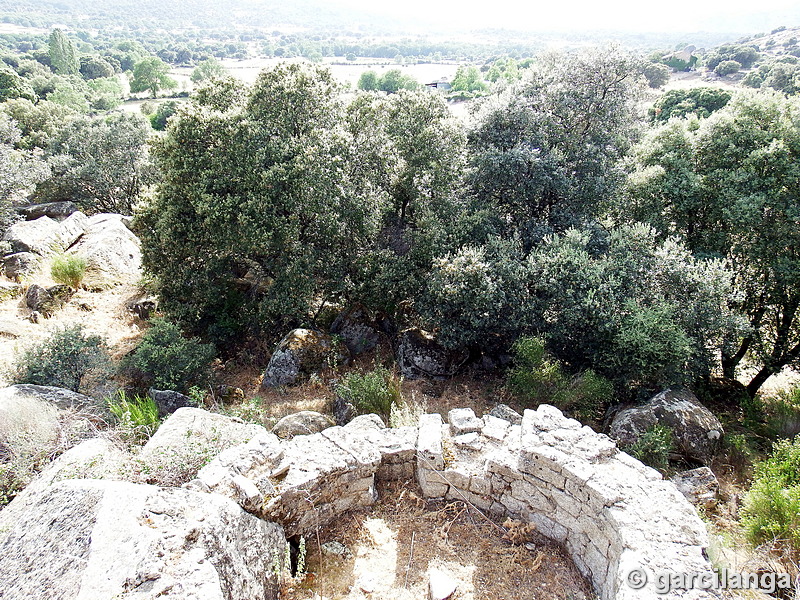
394,545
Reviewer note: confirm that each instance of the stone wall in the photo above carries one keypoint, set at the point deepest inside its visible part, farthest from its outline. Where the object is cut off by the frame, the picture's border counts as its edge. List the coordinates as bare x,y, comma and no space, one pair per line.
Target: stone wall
612,513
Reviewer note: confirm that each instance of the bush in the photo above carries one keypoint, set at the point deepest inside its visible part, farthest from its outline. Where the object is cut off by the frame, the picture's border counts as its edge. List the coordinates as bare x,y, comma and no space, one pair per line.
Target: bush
167,360
538,377
68,269
783,413
371,392
771,510
137,417
535,376
653,447
727,67
66,359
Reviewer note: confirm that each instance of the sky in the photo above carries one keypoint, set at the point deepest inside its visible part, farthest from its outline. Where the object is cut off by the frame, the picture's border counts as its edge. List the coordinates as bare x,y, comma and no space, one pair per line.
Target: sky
620,15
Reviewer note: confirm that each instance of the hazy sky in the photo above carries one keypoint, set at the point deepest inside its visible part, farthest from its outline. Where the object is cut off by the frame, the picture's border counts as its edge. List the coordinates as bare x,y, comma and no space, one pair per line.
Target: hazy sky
629,15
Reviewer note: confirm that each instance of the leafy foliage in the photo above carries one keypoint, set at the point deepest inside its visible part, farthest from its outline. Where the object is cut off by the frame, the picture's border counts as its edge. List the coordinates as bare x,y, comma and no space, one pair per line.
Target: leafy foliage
373,391
771,510
102,164
282,229
653,447
150,74
571,114
696,101
391,82
208,69
63,56
538,377
728,186
633,309
68,269
167,360
67,359
137,417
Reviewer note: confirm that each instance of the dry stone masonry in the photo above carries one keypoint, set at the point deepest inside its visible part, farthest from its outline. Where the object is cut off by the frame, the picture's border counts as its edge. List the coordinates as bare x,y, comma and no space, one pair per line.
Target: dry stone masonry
612,513
90,538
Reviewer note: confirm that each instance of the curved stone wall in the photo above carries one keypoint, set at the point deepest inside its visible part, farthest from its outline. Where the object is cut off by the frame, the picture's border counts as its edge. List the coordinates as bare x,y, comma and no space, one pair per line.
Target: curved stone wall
613,514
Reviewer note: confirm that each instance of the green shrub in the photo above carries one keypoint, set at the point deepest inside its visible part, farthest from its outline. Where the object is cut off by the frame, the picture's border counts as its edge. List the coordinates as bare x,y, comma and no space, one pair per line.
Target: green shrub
587,396
771,510
66,359
167,360
137,417
653,447
727,67
68,269
371,392
535,376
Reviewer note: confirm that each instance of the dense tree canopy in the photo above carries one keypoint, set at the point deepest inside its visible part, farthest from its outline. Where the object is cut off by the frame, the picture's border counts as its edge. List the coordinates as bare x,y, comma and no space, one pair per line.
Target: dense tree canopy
150,75
729,187
280,230
545,151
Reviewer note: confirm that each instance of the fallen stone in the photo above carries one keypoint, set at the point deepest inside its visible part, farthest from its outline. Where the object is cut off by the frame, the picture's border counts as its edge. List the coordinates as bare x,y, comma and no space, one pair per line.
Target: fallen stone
336,549
111,539
47,301
189,439
503,411
39,236
9,290
463,420
54,210
96,458
343,411
358,331
71,229
700,486
419,355
304,422
111,251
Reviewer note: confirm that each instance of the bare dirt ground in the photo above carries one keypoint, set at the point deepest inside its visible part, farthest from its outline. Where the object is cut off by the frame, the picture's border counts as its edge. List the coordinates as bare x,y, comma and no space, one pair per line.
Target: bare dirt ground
391,548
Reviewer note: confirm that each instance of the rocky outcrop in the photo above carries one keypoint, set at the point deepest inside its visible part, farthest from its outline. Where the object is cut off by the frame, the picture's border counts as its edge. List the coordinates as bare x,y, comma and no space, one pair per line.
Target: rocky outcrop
358,331
111,539
39,236
111,251
419,355
168,401
300,353
304,422
96,458
54,210
187,440
696,430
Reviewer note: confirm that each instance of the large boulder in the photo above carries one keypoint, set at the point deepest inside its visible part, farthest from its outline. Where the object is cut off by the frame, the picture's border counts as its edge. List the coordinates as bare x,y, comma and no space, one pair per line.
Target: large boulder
95,458
20,264
695,428
299,354
71,229
39,236
304,422
419,355
357,330
54,210
113,539
187,440
111,251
